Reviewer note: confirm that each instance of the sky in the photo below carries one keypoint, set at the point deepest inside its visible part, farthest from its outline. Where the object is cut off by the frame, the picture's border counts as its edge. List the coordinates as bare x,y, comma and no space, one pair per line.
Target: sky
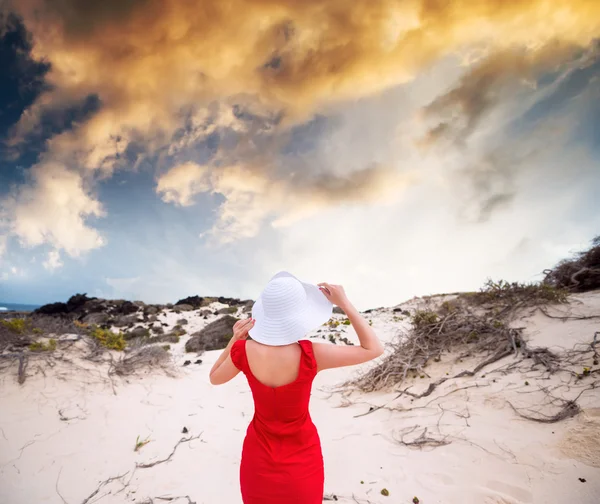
154,150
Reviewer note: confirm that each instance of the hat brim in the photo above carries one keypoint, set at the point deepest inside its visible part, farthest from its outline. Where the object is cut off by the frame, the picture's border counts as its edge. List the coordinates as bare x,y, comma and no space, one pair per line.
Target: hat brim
315,311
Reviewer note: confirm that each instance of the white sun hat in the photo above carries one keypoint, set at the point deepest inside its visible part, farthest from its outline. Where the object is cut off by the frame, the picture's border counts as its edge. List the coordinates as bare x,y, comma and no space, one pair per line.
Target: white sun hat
287,309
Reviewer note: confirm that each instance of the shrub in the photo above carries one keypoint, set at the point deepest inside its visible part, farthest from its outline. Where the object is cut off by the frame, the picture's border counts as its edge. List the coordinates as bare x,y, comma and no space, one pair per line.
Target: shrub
424,317
515,293
40,346
346,322
580,273
108,339
16,325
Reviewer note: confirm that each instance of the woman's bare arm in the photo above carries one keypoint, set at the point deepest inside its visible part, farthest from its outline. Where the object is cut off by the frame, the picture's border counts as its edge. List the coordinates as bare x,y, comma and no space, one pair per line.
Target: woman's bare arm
224,370
332,356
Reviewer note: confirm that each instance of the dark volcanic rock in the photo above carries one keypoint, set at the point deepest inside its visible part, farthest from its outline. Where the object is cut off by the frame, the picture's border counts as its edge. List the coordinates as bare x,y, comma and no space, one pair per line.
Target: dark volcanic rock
96,318
337,309
214,336
137,332
126,308
182,322
182,307
227,310
194,301
53,309
157,329
151,310
126,320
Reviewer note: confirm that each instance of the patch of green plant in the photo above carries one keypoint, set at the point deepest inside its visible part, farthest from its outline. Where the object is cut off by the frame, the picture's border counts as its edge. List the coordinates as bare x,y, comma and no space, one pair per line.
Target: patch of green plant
109,339
423,318
16,325
139,443
385,492
37,330
40,346
346,322
513,292
166,347
232,309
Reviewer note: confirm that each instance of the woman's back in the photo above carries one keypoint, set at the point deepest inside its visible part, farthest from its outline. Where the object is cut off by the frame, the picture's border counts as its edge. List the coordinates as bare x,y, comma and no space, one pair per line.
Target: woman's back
274,366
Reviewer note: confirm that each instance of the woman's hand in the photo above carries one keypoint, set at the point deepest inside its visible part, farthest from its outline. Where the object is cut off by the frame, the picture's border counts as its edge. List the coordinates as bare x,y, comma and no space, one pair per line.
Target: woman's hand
335,294
241,328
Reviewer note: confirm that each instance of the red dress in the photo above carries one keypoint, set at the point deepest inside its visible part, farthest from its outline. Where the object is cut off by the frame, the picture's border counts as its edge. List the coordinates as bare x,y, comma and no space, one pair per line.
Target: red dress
282,461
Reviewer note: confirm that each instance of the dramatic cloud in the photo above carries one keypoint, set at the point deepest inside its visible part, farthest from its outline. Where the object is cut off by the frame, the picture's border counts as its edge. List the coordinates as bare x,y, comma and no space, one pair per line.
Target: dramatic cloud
251,198
491,82
53,209
300,116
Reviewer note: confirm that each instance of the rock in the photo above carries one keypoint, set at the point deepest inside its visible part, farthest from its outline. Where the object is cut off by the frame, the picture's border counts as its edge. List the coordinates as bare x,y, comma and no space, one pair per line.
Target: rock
187,363
139,304
151,310
198,361
248,306
194,301
182,307
77,301
182,322
169,305
96,318
152,318
214,336
226,310
157,329
165,338
178,330
137,332
184,430
205,313
126,308
126,320
337,309
52,309
97,306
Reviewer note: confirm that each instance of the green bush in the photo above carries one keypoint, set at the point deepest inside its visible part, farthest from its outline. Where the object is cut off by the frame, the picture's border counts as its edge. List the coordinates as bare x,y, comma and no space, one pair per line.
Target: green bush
16,325
40,346
424,317
108,339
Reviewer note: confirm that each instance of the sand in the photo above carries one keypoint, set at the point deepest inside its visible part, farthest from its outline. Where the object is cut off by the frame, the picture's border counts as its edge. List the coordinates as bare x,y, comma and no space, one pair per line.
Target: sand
67,430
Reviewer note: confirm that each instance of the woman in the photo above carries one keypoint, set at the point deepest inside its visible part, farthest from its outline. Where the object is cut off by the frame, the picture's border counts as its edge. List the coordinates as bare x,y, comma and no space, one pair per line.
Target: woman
281,457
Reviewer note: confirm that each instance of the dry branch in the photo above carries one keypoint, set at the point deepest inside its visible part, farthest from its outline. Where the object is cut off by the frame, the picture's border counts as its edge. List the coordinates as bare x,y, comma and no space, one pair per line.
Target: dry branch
102,484
182,440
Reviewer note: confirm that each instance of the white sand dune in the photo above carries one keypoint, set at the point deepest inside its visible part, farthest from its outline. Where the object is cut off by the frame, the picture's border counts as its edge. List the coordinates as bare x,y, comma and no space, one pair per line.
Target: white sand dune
67,430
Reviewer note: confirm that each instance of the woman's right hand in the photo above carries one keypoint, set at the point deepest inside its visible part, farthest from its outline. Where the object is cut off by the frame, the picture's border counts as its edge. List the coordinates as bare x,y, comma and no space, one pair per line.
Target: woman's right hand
335,294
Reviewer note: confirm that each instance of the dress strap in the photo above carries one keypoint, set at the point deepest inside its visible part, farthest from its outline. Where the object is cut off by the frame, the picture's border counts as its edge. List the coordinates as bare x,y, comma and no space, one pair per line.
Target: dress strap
308,366
238,355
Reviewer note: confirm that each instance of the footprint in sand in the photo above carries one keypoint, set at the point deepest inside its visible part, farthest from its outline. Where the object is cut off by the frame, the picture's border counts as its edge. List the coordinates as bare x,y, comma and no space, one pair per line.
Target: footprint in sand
499,500
521,495
582,442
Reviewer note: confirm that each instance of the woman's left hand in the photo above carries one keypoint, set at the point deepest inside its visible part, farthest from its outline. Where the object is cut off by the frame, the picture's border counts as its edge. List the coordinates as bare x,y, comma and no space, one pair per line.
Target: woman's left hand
241,328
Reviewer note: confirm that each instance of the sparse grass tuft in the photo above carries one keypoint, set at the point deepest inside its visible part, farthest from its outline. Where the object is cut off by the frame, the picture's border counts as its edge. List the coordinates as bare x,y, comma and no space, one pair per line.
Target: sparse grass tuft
17,325
40,346
139,444
108,339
